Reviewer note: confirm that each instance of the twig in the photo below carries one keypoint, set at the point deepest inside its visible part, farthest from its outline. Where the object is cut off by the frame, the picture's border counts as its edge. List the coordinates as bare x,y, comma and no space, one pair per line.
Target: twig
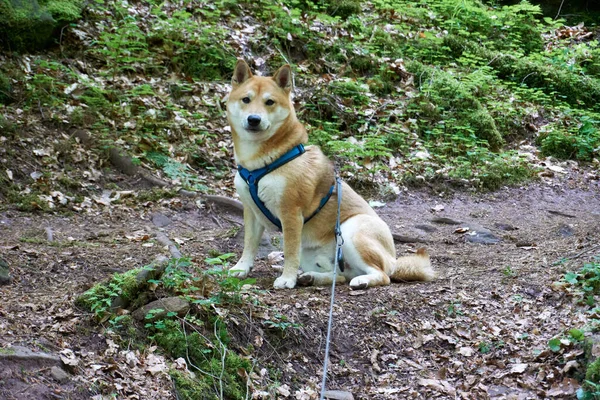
187,353
576,255
559,9
223,355
226,202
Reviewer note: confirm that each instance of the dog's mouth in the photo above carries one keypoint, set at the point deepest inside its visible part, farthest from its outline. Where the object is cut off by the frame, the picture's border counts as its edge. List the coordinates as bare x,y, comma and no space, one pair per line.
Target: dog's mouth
254,129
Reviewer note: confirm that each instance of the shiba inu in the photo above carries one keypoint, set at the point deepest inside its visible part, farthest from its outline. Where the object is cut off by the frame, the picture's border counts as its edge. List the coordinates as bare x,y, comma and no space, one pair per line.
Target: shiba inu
284,185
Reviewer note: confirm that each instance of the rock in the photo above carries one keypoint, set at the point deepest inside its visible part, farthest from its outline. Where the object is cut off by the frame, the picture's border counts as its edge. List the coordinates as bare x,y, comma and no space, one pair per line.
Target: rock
481,237
5,277
59,374
505,227
338,395
565,231
446,221
168,304
426,228
20,353
161,220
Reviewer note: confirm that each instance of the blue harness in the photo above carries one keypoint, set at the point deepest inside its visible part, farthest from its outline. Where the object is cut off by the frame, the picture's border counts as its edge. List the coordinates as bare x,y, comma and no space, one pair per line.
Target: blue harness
253,177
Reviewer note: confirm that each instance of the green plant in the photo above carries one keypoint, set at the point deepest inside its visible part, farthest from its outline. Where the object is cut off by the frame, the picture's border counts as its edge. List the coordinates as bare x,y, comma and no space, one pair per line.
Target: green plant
280,322
230,288
99,299
217,367
586,281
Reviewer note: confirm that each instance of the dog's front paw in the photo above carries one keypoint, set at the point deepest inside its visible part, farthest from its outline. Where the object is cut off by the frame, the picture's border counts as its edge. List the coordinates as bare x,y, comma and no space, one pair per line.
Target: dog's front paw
240,270
285,282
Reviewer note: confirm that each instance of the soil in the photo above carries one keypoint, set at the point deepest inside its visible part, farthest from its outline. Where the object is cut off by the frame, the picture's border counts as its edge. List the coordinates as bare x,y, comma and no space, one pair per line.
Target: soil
480,330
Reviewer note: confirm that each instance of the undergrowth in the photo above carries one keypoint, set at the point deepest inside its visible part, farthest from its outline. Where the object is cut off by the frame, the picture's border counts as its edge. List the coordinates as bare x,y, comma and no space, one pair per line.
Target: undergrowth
394,90
220,362
584,285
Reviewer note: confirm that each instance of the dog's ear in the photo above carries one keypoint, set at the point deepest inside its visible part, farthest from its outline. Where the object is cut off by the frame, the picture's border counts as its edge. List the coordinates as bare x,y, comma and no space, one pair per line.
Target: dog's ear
283,78
241,73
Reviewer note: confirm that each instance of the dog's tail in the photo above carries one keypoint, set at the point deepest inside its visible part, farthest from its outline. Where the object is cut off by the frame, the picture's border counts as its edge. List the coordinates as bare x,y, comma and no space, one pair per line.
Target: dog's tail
413,268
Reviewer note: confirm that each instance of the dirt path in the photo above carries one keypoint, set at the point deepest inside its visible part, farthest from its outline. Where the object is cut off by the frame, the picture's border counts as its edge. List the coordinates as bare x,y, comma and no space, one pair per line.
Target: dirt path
479,331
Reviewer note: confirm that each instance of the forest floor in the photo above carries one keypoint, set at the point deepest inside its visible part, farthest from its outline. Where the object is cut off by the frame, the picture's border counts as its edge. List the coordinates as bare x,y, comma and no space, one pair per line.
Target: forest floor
480,330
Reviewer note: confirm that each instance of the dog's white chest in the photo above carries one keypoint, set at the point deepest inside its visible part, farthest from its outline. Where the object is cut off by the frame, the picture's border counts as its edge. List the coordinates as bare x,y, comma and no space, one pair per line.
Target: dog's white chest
270,190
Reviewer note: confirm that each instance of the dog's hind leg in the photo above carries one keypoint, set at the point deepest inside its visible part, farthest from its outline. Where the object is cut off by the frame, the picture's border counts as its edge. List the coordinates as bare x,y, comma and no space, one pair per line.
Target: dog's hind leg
313,278
365,254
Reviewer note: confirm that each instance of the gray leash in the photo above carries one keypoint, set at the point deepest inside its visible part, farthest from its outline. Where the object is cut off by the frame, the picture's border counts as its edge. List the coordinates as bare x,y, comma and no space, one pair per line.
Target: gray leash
339,240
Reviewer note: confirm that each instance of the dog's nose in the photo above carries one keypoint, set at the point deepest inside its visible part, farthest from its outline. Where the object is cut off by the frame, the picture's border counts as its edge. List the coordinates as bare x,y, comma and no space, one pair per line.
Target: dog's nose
253,120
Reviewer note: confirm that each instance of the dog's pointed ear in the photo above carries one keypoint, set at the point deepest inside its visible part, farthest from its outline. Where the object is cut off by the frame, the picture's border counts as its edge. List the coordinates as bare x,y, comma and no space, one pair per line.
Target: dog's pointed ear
283,78
241,73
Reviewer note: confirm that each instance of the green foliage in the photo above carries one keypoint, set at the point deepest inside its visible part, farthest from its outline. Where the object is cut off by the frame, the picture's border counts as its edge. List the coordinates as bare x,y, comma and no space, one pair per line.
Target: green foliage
29,24
5,89
99,299
280,322
229,287
218,368
573,139
586,281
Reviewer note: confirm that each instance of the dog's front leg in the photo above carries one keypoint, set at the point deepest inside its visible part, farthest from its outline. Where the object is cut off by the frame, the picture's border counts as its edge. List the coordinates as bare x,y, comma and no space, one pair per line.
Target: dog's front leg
253,231
292,224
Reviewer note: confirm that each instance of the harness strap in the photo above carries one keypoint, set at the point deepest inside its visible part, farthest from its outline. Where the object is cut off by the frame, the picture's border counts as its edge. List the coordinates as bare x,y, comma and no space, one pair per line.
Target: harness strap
253,177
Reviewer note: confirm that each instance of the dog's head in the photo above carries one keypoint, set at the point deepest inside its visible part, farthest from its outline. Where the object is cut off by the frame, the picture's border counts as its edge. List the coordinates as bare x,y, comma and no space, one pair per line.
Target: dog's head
259,106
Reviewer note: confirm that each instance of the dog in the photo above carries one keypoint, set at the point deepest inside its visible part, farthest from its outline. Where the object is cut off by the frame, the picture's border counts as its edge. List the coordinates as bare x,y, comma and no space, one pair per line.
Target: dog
301,198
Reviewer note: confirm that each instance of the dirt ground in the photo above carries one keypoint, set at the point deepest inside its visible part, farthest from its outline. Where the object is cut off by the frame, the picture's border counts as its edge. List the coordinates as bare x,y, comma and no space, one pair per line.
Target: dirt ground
481,330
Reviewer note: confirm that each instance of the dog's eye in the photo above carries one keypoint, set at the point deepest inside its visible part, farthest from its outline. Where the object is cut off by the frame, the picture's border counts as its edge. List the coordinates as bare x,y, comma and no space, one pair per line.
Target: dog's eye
269,102
246,100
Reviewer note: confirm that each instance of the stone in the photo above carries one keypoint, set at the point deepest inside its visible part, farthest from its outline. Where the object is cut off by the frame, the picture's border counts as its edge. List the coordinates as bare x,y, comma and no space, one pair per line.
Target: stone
481,237
20,353
565,231
168,304
505,227
161,220
445,220
426,228
338,395
59,374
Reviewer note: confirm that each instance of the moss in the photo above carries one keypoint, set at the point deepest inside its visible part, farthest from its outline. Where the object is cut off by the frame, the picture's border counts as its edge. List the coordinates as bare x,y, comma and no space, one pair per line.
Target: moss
101,297
592,372
28,24
343,8
24,25
64,11
207,357
189,388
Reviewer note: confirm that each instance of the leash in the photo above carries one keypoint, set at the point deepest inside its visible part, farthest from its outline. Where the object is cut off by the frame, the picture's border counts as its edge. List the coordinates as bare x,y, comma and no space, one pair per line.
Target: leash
339,240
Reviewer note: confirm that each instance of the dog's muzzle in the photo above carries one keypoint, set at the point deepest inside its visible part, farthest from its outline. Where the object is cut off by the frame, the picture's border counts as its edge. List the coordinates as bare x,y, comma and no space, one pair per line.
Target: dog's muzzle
253,122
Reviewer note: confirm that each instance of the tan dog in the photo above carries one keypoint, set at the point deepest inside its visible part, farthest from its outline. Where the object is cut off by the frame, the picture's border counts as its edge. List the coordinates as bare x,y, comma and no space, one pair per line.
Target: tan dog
264,127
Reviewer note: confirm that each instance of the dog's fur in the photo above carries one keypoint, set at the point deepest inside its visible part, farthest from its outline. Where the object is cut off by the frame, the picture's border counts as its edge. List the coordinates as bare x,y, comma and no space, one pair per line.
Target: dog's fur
293,192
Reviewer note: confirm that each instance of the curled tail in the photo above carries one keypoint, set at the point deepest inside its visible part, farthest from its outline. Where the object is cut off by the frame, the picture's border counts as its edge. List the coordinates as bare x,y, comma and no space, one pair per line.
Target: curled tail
413,268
